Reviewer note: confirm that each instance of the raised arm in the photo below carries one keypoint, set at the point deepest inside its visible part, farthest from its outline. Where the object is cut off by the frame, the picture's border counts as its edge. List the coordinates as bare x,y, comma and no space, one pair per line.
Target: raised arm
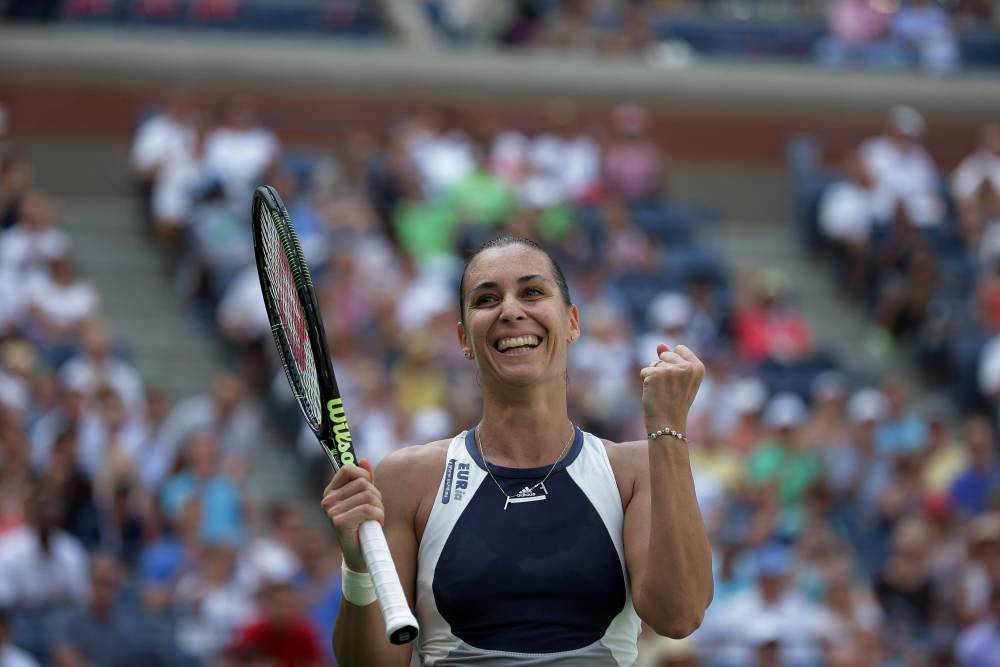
666,547
350,499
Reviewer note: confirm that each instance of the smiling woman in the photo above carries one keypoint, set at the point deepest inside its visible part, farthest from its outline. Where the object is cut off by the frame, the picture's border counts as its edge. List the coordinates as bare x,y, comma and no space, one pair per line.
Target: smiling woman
524,540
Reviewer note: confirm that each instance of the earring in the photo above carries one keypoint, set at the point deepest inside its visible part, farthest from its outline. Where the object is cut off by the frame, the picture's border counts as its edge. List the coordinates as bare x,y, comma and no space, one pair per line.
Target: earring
468,354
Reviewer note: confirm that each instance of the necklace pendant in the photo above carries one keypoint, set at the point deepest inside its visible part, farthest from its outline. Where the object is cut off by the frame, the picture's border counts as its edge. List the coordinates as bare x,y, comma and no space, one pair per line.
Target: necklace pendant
528,494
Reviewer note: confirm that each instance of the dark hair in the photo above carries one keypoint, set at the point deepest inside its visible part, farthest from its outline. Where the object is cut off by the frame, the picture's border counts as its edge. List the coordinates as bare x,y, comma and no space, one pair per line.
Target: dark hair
503,242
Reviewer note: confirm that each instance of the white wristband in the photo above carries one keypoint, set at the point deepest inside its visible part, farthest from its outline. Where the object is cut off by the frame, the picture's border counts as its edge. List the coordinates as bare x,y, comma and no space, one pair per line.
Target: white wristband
357,587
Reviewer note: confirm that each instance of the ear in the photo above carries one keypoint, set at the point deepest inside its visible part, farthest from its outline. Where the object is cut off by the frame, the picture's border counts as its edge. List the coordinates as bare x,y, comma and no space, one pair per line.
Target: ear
574,324
463,341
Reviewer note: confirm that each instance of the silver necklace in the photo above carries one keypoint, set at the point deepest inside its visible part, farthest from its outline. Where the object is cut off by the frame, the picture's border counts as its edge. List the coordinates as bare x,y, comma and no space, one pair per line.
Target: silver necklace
527,494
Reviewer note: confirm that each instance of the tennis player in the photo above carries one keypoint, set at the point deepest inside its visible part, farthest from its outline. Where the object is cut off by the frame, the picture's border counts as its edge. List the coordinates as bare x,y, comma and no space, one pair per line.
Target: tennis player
523,540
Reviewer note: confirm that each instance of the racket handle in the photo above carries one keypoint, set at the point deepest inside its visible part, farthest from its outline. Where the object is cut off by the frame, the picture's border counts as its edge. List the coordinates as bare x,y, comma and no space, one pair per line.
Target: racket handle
400,624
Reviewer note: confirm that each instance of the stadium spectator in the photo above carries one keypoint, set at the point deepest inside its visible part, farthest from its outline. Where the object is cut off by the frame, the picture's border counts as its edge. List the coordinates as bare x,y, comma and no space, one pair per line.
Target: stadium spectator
16,181
240,150
35,239
975,185
227,411
181,176
59,302
635,168
902,431
976,490
980,570
902,170
925,30
772,610
105,631
656,651
945,457
768,326
280,632
320,584
564,163
97,365
859,35
979,645
215,598
41,566
217,492
11,655
849,212
439,150
158,141
904,587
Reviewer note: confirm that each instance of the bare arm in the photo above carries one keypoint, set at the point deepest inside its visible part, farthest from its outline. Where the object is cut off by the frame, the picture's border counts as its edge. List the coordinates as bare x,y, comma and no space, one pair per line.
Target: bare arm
351,498
666,546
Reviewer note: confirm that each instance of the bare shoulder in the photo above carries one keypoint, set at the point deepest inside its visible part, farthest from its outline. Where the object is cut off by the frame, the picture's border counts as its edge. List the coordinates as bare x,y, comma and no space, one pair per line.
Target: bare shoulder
410,463
629,461
408,479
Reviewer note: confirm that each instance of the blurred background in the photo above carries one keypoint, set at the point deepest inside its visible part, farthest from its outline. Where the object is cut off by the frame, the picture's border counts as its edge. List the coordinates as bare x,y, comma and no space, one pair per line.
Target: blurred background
805,193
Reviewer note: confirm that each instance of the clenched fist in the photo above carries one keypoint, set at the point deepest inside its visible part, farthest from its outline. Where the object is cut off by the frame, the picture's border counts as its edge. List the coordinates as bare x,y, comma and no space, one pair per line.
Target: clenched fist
669,386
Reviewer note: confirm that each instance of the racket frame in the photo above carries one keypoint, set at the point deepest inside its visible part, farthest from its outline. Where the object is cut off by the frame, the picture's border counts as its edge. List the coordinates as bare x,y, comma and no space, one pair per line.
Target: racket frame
332,429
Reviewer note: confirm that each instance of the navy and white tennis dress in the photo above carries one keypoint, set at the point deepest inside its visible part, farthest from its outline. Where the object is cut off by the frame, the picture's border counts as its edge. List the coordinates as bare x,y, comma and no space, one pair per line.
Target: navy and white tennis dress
541,583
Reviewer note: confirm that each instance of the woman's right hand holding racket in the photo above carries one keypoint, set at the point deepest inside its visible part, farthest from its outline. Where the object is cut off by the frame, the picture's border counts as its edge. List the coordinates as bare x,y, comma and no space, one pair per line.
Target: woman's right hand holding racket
349,500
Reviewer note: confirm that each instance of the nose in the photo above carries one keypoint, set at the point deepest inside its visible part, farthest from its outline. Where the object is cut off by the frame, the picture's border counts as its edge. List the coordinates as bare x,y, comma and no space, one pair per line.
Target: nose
510,309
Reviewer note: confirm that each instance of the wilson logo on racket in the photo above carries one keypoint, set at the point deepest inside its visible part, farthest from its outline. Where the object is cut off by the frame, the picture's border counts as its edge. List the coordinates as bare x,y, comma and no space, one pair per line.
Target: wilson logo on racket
341,432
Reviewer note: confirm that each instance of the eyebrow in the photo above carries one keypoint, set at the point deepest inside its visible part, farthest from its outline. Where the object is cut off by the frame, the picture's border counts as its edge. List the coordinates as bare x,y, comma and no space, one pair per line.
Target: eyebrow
523,279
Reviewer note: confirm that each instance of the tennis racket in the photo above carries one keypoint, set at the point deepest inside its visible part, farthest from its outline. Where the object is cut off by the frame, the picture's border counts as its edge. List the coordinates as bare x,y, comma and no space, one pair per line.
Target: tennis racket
298,332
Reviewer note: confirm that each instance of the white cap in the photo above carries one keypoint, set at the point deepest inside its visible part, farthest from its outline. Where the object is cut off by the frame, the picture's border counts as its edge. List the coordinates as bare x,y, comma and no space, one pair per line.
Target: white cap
907,120
748,395
669,310
867,405
786,410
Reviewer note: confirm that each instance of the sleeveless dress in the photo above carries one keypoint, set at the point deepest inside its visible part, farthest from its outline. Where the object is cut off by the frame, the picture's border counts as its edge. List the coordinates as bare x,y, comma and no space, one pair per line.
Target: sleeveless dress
540,583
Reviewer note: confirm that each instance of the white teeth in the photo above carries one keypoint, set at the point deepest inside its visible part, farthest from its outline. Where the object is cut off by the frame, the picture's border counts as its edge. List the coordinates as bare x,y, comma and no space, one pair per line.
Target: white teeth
518,341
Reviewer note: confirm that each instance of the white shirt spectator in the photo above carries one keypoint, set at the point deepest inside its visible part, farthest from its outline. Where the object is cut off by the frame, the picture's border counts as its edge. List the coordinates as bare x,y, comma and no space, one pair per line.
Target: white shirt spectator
86,375
241,314
14,393
240,156
30,577
509,156
799,625
904,175
173,193
989,368
157,139
980,167
62,305
847,212
12,656
24,250
441,160
562,169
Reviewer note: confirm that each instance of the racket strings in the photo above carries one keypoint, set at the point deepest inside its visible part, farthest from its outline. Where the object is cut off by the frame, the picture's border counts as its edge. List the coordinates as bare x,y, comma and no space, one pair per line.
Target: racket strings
285,297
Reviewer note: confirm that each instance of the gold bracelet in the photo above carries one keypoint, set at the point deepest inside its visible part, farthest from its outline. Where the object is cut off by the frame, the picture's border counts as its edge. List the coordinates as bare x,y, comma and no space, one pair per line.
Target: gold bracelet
667,431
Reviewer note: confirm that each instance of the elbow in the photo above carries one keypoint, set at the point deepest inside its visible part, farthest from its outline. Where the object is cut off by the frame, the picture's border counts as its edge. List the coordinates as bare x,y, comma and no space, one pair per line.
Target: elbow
672,623
679,628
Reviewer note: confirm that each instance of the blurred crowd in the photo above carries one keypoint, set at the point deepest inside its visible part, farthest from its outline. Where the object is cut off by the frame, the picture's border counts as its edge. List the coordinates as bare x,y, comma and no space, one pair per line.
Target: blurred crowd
851,525
936,36
915,248
127,536
889,34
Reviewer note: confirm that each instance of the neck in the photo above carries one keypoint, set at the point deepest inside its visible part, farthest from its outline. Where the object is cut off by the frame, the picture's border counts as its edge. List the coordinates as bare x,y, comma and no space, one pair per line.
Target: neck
528,432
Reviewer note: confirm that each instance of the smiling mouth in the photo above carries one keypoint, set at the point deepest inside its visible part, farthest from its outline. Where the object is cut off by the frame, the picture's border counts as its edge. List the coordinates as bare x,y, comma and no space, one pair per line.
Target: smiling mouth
517,344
